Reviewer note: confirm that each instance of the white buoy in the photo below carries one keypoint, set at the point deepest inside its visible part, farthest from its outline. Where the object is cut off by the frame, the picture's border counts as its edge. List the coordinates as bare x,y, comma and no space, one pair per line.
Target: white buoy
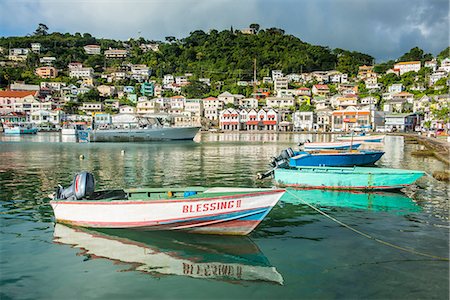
81,157
122,152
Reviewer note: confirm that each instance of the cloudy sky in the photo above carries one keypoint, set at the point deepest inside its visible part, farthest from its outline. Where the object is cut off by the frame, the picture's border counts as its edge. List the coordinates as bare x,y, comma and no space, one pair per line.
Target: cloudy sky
384,29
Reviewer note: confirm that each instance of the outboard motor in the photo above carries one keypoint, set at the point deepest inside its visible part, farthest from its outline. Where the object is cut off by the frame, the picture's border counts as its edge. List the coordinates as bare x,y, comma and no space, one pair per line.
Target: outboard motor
283,159
83,186
280,161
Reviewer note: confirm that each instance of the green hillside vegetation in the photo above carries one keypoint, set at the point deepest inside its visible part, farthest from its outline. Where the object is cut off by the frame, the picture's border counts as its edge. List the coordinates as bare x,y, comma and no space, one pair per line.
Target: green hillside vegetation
217,55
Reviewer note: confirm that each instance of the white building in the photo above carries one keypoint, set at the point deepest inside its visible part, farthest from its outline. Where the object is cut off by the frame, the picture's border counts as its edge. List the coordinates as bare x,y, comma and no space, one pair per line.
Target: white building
91,107
276,74
212,106
248,103
407,66
36,47
280,102
228,98
194,106
81,73
54,117
281,83
168,79
304,120
92,49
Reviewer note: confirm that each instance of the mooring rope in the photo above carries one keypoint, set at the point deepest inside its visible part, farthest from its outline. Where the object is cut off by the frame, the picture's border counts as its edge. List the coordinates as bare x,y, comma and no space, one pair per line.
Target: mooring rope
366,234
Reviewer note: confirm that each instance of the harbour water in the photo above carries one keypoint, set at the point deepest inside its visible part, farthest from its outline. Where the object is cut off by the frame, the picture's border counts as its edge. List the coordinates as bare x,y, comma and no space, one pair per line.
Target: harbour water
294,253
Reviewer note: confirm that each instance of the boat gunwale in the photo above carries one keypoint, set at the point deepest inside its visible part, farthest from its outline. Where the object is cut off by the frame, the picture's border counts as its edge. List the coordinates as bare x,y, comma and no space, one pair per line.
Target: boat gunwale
158,201
352,170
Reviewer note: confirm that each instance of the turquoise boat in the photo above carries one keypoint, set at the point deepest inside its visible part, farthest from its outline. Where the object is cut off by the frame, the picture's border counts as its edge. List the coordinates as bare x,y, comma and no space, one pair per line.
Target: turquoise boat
346,178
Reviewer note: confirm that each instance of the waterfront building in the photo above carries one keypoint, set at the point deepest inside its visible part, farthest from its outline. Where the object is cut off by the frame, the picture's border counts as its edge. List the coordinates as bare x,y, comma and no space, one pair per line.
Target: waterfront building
194,106
401,122
323,120
13,117
350,118
304,120
8,99
229,119
40,117
212,107
177,103
407,66
102,119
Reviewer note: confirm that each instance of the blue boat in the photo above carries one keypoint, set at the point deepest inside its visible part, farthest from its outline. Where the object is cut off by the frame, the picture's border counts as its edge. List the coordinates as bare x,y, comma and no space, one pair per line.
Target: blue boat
331,146
335,159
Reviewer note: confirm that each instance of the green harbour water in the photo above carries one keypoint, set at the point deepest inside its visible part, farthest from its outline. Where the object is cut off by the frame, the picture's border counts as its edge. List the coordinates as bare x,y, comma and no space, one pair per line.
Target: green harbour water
295,253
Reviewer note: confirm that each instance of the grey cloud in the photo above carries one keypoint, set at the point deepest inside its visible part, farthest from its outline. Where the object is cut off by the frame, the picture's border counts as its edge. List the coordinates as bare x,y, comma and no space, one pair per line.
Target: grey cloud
384,29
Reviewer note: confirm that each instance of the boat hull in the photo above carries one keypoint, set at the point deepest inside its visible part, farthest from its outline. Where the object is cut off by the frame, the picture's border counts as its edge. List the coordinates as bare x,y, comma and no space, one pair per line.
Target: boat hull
357,178
331,146
140,135
68,131
365,139
20,130
238,214
349,159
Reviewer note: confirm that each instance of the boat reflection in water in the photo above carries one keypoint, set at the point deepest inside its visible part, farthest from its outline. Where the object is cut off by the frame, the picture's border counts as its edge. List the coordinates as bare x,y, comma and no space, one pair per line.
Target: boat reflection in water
397,203
225,258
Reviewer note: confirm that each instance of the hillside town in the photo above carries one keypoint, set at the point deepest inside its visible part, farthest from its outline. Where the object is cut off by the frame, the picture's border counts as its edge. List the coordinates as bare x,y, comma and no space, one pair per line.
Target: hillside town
319,101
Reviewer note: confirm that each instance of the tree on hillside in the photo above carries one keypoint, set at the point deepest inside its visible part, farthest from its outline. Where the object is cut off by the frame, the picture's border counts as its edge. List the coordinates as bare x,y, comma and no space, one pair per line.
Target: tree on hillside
255,27
415,54
444,54
41,30
170,39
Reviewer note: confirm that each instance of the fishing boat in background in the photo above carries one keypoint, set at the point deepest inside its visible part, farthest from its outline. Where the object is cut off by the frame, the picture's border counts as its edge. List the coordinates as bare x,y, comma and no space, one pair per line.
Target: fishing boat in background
139,129
227,258
228,211
331,146
332,158
346,178
366,138
73,128
20,128
397,203
335,158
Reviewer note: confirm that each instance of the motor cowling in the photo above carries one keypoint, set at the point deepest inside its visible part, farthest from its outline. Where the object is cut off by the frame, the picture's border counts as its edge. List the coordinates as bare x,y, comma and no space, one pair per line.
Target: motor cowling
83,186
282,160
